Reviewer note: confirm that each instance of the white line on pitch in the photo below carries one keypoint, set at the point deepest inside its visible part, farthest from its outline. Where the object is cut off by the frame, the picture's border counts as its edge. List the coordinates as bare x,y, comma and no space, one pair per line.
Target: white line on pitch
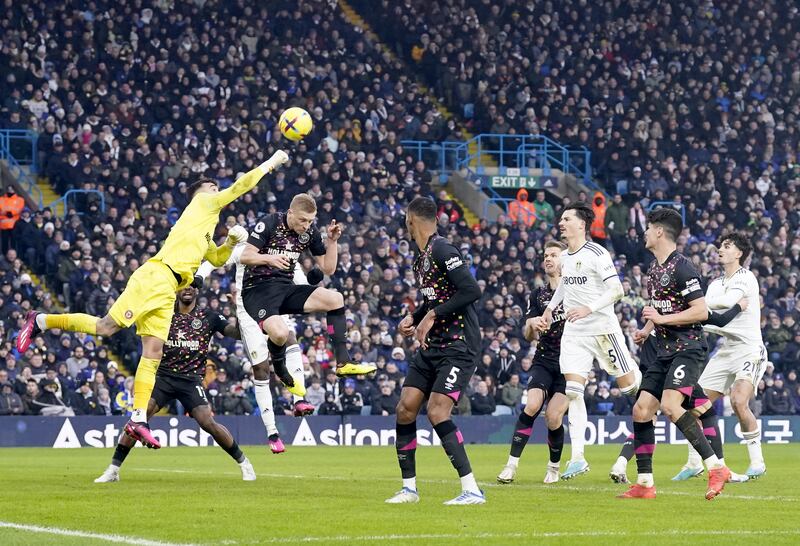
538,487
85,534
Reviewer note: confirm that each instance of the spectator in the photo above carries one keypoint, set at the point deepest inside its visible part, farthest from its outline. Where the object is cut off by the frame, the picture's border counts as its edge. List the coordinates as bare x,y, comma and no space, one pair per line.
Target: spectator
330,406
351,401
11,206
10,402
617,223
544,210
386,402
482,402
30,397
777,399
315,394
512,392
522,211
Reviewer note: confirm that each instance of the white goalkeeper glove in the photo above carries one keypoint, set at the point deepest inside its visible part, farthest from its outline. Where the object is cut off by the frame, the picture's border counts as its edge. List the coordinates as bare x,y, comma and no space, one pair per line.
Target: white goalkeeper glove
236,235
278,158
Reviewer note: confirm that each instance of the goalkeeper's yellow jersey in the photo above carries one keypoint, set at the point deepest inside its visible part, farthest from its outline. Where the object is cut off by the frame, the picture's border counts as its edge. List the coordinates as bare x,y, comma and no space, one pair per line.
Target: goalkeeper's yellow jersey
190,240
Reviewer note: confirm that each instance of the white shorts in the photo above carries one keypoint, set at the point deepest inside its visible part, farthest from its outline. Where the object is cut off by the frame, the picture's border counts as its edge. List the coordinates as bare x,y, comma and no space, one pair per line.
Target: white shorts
732,363
253,338
578,354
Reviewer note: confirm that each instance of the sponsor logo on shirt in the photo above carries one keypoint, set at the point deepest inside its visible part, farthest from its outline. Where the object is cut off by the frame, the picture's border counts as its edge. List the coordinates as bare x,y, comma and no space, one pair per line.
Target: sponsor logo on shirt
453,263
575,280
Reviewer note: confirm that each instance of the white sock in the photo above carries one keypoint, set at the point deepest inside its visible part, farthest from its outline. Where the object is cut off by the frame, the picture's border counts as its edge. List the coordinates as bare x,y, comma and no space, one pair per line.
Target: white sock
577,419
694,460
40,321
264,401
632,389
513,461
139,416
114,467
294,363
622,463
246,461
645,480
468,483
753,440
410,483
712,462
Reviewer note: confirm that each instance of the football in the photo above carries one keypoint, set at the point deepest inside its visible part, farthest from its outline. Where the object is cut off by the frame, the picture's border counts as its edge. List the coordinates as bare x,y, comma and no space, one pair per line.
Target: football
295,123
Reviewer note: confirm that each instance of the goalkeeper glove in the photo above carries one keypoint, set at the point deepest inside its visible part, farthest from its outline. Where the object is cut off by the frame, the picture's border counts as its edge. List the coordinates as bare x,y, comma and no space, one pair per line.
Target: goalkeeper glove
237,234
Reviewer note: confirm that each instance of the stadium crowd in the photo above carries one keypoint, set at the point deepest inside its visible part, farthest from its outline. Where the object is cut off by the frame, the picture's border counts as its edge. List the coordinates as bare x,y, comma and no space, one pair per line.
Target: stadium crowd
138,100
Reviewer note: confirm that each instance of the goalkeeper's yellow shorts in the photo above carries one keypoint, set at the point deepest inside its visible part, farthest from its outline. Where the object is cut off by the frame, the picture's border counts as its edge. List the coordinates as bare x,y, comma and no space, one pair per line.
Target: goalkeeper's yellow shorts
148,300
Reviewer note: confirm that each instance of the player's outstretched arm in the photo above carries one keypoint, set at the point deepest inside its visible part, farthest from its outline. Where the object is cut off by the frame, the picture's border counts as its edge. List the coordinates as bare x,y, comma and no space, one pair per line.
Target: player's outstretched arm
219,255
249,180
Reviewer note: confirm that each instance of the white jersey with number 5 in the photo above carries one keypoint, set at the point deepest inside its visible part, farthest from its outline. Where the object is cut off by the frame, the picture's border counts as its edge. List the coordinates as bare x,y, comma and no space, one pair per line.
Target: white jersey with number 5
583,274
746,327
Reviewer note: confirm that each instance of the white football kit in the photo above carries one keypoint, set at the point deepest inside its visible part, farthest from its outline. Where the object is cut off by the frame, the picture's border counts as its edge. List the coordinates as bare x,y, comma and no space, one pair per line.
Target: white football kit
742,354
597,336
253,337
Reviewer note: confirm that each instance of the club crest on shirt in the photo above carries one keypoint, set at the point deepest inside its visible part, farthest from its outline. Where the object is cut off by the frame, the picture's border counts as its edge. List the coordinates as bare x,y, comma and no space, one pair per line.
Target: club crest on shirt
664,279
577,266
262,313
304,238
426,264
260,227
197,324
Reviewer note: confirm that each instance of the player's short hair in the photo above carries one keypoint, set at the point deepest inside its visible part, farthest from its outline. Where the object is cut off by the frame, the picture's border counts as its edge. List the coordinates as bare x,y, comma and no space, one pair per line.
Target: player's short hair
742,243
192,189
669,219
302,202
423,207
583,212
555,244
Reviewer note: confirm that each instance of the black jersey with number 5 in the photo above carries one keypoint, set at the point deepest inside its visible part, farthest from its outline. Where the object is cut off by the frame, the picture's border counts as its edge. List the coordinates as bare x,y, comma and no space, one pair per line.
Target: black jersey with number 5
272,235
673,285
438,270
186,349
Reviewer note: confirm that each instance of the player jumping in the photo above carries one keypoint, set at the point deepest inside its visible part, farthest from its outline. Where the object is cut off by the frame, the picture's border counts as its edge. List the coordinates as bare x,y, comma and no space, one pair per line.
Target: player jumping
255,343
446,327
275,245
677,311
180,377
740,361
546,382
589,288
149,297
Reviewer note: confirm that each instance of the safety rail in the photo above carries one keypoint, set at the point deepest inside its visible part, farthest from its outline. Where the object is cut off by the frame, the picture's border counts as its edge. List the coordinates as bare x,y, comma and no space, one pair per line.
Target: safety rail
668,204
74,193
18,147
522,152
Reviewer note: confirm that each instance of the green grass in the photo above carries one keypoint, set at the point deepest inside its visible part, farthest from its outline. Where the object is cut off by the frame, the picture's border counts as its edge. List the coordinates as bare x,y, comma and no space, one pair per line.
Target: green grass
335,495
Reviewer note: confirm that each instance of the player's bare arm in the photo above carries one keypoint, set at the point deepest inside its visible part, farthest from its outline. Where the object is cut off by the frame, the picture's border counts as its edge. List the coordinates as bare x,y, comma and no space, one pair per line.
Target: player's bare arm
328,261
696,313
251,256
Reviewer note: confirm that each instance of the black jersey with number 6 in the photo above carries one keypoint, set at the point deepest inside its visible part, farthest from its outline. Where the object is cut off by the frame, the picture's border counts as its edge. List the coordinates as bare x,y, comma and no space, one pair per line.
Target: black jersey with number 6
439,271
272,235
673,285
186,349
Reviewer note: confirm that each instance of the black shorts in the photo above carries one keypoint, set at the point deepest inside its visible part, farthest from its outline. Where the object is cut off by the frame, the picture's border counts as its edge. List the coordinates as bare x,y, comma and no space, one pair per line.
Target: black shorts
546,375
276,298
188,391
444,371
679,372
647,354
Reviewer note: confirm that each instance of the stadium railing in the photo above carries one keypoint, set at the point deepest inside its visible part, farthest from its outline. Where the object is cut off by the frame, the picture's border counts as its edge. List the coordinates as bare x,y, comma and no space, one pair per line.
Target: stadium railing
442,157
73,194
18,149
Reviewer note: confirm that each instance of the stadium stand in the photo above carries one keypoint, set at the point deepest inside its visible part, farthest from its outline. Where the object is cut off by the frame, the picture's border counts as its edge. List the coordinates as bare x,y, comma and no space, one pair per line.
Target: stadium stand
132,102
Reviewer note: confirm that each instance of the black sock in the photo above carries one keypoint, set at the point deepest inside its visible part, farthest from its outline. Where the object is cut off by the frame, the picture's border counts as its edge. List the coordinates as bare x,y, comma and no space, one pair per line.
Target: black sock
555,442
119,455
627,448
406,447
522,433
453,444
337,329
277,354
710,423
694,435
234,452
644,444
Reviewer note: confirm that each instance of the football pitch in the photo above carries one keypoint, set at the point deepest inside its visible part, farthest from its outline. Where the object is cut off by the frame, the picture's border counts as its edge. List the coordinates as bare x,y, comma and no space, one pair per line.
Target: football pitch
334,495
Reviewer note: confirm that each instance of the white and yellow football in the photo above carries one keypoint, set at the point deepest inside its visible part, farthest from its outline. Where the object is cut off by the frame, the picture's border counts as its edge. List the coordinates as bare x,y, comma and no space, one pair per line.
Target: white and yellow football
295,123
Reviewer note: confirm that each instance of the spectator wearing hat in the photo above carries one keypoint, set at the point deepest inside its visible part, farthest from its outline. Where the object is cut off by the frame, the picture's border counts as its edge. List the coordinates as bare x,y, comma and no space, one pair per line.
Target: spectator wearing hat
386,402
11,206
330,406
399,360
10,402
350,400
